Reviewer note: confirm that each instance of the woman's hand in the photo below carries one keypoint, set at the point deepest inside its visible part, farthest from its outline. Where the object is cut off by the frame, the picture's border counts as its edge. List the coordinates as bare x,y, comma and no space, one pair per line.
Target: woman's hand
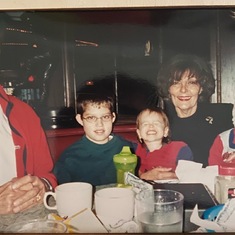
158,173
20,194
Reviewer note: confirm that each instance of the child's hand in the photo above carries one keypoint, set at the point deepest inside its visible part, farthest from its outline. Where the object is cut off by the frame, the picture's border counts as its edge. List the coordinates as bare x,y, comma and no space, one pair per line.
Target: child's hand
229,157
158,173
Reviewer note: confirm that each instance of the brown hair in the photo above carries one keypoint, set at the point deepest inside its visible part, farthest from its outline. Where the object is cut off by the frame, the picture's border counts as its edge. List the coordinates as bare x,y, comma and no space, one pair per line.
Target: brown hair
195,66
94,99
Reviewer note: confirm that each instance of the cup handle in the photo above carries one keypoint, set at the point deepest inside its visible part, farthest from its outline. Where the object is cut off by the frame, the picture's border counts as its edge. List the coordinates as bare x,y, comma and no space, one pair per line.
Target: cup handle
45,200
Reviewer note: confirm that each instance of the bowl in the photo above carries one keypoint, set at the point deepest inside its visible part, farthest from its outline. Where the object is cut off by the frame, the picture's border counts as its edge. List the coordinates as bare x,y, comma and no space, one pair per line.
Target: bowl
37,226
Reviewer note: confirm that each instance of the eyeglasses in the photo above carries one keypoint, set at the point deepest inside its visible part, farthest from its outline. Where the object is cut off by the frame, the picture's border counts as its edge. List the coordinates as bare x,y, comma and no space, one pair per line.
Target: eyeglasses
93,119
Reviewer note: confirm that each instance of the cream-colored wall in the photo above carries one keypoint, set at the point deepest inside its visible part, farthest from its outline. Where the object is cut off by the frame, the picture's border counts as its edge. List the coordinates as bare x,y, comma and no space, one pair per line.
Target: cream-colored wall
93,4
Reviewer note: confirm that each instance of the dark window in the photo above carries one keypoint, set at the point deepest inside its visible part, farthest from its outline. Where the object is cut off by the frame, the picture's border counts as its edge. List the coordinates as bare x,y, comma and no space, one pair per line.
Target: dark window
50,58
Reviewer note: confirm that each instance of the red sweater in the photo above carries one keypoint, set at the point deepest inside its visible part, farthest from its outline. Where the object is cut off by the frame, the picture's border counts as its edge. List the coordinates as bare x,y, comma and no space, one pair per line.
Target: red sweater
167,156
223,143
31,147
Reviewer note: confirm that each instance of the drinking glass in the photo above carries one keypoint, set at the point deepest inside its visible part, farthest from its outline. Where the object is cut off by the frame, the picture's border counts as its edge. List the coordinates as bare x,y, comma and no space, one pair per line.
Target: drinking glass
159,211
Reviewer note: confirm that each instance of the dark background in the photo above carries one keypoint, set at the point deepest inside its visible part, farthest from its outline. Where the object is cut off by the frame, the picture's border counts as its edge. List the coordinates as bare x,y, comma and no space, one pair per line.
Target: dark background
50,59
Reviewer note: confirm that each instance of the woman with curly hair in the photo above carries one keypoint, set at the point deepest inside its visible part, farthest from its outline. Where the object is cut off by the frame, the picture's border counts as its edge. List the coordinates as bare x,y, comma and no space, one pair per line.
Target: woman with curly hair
186,84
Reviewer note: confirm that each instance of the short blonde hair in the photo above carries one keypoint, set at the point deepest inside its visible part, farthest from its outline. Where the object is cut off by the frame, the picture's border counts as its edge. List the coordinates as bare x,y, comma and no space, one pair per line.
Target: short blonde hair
164,117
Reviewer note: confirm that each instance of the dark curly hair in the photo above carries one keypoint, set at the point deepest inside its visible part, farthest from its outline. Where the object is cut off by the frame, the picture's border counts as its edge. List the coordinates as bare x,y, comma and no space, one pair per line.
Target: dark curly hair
177,66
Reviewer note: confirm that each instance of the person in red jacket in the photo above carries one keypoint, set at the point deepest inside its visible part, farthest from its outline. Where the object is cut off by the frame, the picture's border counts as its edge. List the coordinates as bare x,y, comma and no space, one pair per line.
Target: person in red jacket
222,150
25,160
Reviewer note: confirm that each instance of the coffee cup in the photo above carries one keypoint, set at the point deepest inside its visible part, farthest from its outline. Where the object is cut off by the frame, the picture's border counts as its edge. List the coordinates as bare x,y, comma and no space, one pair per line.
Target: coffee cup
114,206
70,198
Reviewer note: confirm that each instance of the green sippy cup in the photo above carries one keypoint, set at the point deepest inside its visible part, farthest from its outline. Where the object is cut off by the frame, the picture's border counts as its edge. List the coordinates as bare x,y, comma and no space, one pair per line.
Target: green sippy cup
124,162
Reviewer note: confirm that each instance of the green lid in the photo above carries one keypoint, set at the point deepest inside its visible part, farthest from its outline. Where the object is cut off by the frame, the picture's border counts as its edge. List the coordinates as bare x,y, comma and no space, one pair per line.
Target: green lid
125,156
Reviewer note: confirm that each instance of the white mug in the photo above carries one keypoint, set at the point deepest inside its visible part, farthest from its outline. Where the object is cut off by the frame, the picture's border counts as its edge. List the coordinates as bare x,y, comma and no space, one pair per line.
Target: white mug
70,198
114,206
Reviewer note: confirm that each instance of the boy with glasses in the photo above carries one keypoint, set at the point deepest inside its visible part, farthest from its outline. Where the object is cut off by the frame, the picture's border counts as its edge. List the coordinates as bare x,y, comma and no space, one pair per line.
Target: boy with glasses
90,159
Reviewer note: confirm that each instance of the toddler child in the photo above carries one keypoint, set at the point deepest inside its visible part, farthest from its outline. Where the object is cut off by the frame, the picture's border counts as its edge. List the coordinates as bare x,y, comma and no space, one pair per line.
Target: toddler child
155,149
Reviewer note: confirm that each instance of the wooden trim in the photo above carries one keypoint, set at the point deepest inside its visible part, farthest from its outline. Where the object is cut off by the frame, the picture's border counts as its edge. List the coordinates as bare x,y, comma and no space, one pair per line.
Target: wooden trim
79,131
64,132
60,139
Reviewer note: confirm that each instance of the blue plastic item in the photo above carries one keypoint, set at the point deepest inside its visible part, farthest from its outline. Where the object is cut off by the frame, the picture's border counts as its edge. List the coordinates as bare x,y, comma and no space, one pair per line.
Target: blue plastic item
211,214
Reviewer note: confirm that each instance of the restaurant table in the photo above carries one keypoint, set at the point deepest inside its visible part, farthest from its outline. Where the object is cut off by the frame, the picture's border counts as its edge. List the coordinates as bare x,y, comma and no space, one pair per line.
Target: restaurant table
194,193
36,212
40,212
